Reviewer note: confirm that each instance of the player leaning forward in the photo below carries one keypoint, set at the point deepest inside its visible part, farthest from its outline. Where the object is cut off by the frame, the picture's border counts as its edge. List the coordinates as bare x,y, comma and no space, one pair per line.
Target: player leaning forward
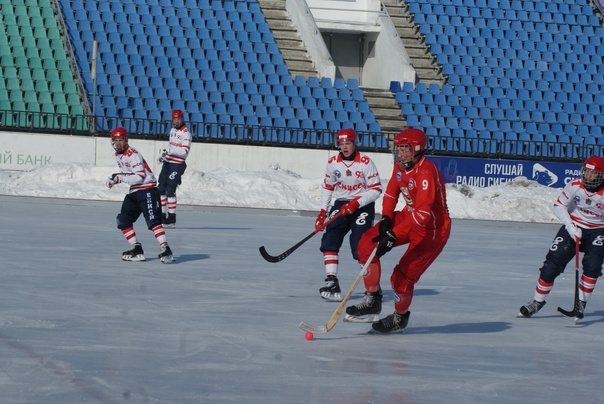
353,181
423,223
580,208
142,198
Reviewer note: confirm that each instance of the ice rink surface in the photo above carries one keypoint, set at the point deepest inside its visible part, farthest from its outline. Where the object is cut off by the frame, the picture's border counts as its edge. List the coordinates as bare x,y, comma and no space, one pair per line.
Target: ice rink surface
220,325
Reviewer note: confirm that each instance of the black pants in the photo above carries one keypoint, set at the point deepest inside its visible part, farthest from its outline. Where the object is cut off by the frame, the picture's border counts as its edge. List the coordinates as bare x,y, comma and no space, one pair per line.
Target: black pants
170,178
562,251
357,223
145,202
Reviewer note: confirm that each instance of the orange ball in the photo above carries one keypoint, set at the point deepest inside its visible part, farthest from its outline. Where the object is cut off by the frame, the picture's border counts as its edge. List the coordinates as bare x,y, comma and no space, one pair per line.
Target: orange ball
309,336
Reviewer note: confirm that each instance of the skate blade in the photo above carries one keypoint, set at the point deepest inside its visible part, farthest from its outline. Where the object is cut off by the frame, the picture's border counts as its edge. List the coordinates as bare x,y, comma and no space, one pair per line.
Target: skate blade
137,258
331,297
169,226
167,259
369,318
520,315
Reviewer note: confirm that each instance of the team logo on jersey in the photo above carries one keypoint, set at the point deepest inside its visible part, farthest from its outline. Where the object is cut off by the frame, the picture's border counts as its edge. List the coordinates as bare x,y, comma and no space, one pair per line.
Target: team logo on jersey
411,184
588,201
337,173
399,176
348,173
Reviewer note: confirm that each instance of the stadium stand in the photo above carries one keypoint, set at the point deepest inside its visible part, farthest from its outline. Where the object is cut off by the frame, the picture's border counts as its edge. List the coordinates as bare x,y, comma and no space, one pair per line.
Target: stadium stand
197,62
529,67
35,75
525,78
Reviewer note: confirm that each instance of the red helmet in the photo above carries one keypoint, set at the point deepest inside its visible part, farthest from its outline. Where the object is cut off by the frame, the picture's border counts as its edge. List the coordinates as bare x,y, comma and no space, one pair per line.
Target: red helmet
592,173
119,133
177,113
417,139
346,135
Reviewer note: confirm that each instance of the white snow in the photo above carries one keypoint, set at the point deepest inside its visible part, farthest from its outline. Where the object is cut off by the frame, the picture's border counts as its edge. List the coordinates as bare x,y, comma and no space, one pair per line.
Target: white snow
520,200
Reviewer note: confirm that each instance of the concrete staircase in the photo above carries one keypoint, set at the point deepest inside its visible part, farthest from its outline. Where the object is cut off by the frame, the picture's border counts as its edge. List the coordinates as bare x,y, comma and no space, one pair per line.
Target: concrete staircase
286,35
381,102
386,110
424,63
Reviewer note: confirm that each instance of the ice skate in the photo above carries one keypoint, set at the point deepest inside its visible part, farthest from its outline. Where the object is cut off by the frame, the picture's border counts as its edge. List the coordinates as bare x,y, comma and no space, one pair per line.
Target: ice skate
530,308
367,311
135,254
331,291
580,311
165,253
391,324
169,221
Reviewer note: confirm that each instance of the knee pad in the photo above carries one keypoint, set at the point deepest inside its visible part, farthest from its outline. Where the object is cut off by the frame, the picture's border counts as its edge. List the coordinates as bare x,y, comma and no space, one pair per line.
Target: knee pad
123,222
592,273
550,271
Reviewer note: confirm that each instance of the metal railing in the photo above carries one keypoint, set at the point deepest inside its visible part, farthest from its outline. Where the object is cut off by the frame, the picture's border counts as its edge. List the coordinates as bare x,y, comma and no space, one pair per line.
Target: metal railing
212,132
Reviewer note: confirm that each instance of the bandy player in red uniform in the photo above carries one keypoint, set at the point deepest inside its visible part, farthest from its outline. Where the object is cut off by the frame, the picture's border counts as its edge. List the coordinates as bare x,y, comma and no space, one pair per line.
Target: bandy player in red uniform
580,208
423,223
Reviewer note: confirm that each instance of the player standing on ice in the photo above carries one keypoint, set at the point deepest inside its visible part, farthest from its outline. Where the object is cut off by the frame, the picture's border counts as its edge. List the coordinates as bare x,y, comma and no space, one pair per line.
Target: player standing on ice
352,179
580,208
423,223
142,198
174,166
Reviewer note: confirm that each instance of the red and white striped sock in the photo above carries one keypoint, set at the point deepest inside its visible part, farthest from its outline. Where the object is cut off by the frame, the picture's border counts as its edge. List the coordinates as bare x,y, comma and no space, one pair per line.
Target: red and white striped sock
330,259
164,204
542,290
130,235
160,234
586,287
171,204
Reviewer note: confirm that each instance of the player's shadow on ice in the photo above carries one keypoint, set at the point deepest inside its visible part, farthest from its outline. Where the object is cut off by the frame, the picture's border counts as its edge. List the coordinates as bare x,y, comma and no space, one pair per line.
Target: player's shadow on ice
212,228
462,328
190,257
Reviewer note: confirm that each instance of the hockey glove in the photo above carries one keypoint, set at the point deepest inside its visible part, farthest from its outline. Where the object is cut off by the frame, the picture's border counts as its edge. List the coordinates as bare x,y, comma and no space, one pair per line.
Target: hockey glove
162,155
320,219
112,180
385,225
385,242
350,207
574,231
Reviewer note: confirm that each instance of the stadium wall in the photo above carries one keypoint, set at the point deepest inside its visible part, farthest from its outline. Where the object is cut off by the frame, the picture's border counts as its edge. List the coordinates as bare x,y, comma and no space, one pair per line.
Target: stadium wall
24,152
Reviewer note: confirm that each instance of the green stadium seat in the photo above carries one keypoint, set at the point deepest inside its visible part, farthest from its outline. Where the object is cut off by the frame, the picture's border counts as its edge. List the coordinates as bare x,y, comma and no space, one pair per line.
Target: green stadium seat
41,86
36,21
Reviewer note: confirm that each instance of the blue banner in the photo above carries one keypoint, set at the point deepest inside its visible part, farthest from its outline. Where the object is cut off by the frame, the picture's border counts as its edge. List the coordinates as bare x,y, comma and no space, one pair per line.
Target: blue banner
479,172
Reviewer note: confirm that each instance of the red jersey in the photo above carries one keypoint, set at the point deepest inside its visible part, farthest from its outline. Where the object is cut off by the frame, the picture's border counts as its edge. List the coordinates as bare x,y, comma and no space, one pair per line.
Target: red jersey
424,193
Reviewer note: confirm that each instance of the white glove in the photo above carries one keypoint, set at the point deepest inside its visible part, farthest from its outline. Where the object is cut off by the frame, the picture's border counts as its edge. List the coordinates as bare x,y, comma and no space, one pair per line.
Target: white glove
112,180
162,154
574,231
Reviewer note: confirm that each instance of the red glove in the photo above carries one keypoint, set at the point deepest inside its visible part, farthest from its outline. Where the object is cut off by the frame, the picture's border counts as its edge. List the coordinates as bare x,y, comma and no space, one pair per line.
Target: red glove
350,207
320,219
